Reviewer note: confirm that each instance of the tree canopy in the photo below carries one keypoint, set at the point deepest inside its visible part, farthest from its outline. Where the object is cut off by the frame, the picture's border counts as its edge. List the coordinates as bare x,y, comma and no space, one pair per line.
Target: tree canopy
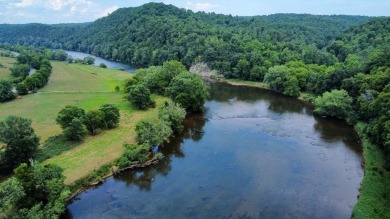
21,142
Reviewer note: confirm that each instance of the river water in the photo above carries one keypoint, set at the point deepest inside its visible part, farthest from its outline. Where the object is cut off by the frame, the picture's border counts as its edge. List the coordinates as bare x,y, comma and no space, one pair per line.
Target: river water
252,154
98,61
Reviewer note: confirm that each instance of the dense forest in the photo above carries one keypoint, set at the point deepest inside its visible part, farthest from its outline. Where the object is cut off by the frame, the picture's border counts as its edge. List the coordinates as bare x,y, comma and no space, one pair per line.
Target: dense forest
344,61
154,33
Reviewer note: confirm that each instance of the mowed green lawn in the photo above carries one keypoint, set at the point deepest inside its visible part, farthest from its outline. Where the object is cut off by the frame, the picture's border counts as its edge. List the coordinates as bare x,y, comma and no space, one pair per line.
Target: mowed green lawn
5,73
87,87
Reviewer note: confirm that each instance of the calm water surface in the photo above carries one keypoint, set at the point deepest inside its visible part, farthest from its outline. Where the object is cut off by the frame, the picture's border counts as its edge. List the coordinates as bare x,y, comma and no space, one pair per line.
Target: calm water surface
99,60
253,154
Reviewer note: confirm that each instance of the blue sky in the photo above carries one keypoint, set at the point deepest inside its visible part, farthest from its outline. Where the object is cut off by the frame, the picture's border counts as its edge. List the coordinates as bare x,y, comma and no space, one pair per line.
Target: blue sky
74,11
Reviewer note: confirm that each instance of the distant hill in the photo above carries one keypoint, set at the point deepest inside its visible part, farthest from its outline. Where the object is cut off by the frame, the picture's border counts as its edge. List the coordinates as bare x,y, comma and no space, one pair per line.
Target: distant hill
155,32
363,39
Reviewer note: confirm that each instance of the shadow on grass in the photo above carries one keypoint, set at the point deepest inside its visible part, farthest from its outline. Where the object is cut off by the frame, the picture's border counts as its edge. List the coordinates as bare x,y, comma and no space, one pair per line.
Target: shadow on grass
54,146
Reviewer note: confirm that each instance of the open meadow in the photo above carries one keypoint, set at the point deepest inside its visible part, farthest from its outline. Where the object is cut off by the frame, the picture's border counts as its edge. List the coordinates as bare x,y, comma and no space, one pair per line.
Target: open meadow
6,63
87,87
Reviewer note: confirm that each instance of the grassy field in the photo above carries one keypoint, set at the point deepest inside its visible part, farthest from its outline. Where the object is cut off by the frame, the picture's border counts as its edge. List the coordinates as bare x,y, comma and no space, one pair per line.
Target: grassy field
5,73
246,83
87,87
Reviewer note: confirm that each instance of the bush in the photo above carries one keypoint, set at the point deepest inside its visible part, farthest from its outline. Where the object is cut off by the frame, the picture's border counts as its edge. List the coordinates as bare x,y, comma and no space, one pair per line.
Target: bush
336,103
173,114
94,120
76,130
21,142
152,131
134,154
189,91
6,92
111,115
21,88
139,95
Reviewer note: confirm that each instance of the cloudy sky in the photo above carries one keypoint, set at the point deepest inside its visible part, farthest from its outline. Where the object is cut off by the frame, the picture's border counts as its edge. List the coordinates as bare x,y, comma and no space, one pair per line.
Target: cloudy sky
74,11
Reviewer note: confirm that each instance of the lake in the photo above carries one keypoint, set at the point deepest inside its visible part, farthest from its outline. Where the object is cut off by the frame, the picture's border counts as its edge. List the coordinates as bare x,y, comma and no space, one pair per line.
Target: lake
253,154
99,60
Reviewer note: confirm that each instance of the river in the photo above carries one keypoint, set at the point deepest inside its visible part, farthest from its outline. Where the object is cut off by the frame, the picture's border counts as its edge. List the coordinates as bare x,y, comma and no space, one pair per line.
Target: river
99,60
252,154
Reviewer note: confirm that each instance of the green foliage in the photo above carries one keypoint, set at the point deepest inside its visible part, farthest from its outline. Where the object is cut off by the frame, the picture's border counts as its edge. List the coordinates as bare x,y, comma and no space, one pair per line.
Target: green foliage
336,103
280,79
152,131
189,91
76,130
6,92
139,95
67,114
174,114
89,60
21,142
102,65
21,88
94,120
55,146
111,115
164,76
157,33
20,70
11,193
44,192
374,197
134,154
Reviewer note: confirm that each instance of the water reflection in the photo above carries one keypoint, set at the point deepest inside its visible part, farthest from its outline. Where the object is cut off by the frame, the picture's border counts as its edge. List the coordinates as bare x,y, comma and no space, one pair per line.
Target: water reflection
99,60
193,129
253,154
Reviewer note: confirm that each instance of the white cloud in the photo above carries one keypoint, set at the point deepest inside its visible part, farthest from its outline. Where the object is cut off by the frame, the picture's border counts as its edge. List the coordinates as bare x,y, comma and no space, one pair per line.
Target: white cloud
58,5
22,4
201,6
107,11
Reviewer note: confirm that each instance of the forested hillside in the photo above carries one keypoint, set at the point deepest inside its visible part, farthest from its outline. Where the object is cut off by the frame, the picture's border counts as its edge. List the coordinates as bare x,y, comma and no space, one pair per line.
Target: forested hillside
154,33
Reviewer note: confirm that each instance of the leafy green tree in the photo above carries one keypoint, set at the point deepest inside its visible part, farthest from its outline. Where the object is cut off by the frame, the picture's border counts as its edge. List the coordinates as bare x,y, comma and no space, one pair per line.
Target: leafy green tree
76,130
291,87
32,83
102,65
6,92
89,60
20,70
174,114
152,131
67,114
111,115
139,95
134,154
94,120
281,79
276,76
243,69
11,193
169,70
257,73
21,142
189,91
21,88
45,191
336,103
378,130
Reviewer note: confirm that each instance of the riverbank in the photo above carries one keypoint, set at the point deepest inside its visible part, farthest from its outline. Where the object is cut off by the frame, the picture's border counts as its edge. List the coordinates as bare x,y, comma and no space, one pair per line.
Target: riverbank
374,197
